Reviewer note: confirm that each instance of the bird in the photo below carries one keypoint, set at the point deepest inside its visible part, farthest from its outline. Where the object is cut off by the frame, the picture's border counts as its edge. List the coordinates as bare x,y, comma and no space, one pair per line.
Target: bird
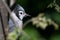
17,14
20,14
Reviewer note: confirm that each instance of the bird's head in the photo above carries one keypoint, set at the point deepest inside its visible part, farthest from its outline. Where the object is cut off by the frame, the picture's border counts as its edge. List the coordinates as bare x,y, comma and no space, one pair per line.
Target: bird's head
20,12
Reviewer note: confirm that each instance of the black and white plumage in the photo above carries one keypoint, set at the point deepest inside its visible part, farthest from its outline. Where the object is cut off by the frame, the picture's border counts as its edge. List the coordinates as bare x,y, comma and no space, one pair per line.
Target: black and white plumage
19,14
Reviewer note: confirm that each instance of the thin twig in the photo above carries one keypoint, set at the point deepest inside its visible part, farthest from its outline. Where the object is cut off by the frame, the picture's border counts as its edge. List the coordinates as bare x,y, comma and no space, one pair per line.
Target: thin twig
28,21
3,26
5,4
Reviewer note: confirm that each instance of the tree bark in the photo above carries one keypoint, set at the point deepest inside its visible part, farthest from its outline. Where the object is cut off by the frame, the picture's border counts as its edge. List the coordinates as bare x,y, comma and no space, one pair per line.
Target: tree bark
4,19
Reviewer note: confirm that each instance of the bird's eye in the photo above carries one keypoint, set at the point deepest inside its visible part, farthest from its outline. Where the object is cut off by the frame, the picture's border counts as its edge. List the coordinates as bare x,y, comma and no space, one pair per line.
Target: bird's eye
21,13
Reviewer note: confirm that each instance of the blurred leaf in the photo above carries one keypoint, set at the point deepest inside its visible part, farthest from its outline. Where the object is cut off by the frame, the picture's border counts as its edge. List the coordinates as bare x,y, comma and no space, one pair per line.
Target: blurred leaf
32,32
43,21
56,17
55,36
12,35
54,4
40,21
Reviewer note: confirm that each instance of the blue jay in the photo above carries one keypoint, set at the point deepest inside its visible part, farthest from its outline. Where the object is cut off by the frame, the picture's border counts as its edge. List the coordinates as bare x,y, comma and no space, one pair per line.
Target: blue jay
20,14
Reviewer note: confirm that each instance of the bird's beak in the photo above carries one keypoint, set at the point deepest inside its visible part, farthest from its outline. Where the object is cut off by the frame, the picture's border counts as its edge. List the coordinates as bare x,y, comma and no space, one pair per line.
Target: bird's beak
27,15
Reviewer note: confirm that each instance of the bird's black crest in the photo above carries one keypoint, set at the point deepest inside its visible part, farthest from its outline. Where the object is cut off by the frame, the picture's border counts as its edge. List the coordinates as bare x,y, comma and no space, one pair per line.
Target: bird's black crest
17,9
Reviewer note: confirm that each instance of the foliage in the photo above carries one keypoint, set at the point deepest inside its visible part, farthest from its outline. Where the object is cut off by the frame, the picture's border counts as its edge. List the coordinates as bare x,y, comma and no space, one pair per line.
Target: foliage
54,4
33,34
13,35
42,21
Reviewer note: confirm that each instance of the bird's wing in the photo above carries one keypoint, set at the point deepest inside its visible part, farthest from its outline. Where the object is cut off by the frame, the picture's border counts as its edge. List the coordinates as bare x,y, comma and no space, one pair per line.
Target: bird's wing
11,25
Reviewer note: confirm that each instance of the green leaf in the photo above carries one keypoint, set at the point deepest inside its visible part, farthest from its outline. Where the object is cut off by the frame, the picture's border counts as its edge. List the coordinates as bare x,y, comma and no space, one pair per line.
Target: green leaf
32,33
